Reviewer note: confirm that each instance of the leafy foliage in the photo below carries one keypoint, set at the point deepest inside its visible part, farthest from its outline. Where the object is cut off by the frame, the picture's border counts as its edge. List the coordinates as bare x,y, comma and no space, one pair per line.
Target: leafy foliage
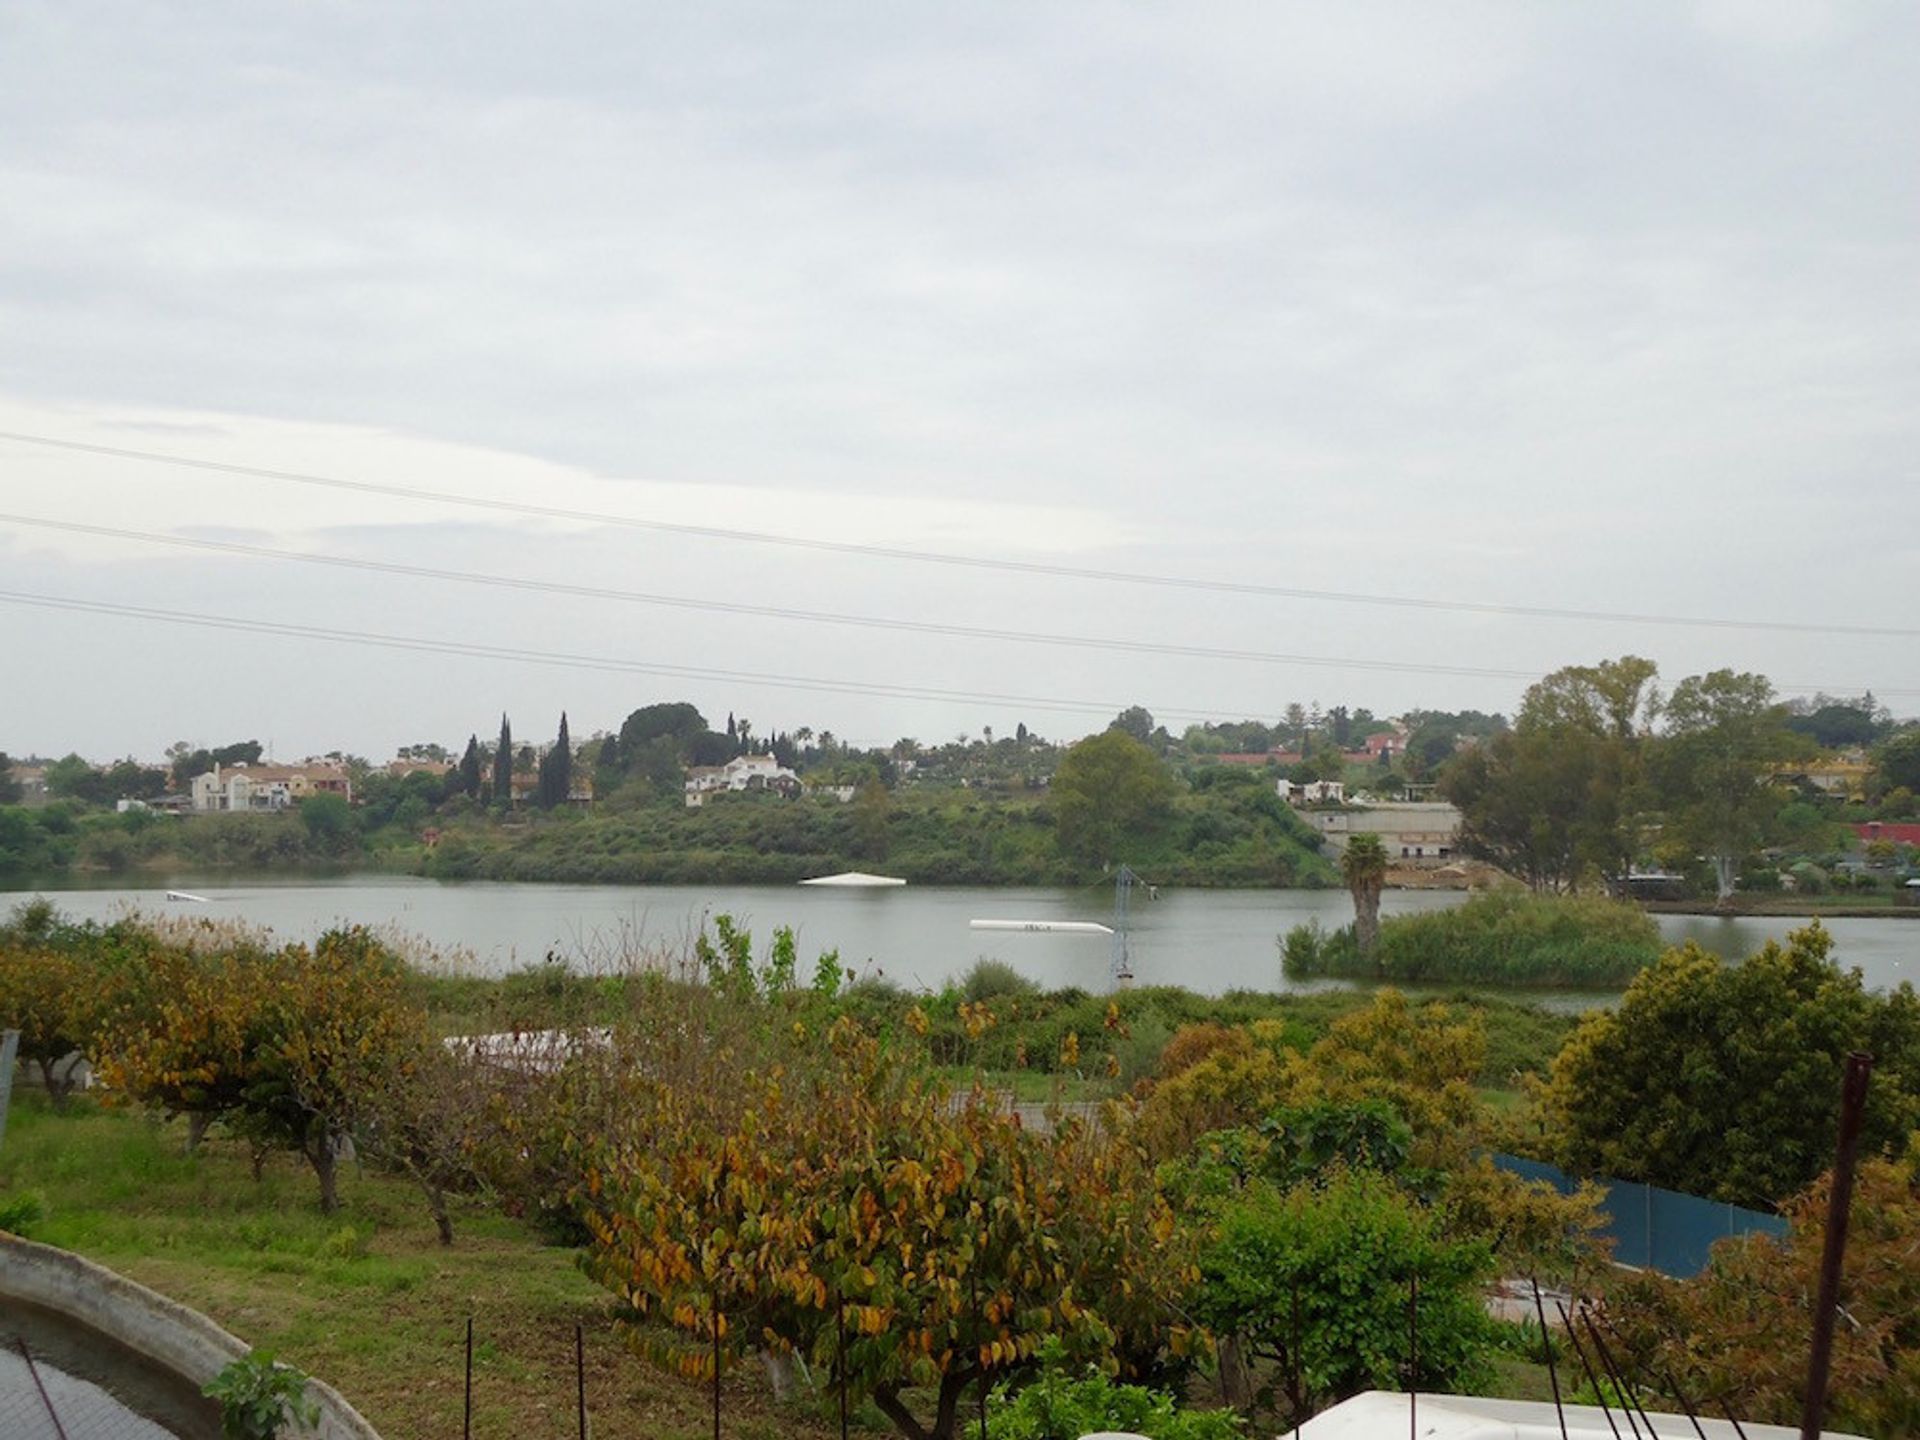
1738,1333
1502,937
1062,1405
259,1398
1346,1252
1724,1080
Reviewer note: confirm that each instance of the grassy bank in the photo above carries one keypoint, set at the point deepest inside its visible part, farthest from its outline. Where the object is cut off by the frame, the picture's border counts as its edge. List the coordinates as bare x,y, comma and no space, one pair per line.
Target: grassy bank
1506,938
366,1299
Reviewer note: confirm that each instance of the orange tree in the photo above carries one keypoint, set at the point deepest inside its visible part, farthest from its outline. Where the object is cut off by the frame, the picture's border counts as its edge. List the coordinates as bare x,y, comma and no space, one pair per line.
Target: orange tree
336,1033
909,1241
178,1028
43,996
1737,1335
293,1048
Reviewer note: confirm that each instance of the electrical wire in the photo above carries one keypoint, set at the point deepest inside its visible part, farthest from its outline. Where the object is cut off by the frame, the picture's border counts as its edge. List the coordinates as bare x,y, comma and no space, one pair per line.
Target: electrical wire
977,562
566,660
777,612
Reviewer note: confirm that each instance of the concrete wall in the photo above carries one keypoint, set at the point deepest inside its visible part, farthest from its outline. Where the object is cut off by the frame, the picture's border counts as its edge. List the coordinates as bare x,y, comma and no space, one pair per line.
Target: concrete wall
166,1332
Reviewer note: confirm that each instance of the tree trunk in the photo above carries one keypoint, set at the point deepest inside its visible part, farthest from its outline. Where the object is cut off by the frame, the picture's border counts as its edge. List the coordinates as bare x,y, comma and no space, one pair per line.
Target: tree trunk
1725,869
197,1124
319,1152
437,1203
953,1385
1236,1388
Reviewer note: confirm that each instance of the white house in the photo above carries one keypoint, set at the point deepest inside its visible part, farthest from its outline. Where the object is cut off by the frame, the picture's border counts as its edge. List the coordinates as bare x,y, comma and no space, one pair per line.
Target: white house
267,787
743,772
1411,830
1312,792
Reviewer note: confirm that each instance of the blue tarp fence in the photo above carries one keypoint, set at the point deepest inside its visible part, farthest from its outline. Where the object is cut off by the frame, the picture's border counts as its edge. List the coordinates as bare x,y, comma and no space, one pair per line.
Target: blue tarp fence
1653,1228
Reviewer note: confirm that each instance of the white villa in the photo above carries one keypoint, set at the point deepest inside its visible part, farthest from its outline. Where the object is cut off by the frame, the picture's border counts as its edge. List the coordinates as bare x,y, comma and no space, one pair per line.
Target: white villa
743,772
267,787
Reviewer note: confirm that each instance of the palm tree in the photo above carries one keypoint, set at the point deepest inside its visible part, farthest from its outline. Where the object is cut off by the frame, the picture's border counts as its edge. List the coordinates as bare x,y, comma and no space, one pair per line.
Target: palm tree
1363,865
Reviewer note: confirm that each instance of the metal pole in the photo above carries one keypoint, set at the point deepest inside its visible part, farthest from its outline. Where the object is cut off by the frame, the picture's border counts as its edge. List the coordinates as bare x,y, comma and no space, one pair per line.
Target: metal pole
1600,1393
45,1400
1853,1105
580,1374
1629,1397
1299,1397
1413,1355
1546,1348
466,1423
9,1048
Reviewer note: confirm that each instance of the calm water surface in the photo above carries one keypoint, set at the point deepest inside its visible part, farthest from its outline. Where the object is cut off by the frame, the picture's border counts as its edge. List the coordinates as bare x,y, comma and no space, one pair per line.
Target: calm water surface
1206,940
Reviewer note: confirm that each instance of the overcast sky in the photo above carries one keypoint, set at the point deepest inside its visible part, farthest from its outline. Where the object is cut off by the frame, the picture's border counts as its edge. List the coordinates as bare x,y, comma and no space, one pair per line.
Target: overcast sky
1599,307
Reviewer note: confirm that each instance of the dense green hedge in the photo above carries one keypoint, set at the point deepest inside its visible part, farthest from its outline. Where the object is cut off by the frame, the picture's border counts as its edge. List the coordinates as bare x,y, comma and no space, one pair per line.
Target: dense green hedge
1501,938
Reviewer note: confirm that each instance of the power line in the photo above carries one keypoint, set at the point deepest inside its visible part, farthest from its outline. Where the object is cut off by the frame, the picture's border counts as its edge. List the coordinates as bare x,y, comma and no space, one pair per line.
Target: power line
778,612
975,562
616,665
565,660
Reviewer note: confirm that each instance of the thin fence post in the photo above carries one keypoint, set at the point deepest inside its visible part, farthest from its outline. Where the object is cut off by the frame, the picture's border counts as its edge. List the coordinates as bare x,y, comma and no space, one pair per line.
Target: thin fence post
580,1374
9,1048
1853,1105
45,1399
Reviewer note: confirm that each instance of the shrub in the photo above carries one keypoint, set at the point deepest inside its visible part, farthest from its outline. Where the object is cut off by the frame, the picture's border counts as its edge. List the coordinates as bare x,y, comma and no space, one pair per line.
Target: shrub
1060,1406
259,1398
989,979
21,1214
1499,938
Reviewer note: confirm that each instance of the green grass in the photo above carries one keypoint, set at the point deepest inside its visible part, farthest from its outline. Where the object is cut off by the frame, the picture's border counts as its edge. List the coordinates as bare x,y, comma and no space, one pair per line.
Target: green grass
365,1299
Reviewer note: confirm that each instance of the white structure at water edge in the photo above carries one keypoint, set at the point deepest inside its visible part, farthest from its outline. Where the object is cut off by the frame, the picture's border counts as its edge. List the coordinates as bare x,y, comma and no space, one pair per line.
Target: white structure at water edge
1379,1414
855,880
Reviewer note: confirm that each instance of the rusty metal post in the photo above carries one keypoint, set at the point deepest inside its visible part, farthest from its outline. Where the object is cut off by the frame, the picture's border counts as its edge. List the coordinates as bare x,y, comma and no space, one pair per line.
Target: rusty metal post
580,1374
1853,1105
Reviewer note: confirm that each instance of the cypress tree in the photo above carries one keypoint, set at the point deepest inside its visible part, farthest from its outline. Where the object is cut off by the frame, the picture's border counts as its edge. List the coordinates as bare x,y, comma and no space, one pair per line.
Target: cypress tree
469,771
556,769
503,765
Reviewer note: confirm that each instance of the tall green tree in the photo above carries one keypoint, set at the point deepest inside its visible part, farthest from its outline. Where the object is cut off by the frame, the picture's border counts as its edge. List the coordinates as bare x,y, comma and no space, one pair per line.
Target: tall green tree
556,770
10,790
1723,732
1363,865
1724,1080
1560,796
503,765
467,776
1109,789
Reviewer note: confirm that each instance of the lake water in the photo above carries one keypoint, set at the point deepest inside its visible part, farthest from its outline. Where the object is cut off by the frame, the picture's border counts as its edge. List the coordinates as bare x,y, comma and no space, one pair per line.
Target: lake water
1206,940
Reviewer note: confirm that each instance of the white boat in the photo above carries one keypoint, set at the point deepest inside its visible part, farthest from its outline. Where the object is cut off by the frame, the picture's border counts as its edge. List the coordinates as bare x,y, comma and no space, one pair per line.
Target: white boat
187,895
855,880
1040,927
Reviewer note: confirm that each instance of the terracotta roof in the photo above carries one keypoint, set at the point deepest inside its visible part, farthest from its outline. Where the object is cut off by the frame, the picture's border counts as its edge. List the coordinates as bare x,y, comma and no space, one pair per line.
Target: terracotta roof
1896,831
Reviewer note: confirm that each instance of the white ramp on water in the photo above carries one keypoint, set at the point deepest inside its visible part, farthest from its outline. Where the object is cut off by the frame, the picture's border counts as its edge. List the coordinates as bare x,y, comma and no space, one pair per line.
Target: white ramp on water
855,880
1041,927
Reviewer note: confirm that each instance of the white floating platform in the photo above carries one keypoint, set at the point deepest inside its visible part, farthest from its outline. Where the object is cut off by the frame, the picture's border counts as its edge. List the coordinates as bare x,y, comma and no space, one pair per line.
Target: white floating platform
184,895
856,880
1042,927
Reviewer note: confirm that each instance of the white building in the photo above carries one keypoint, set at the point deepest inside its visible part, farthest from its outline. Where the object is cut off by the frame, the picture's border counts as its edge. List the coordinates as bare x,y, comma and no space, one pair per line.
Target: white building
1410,830
743,772
267,787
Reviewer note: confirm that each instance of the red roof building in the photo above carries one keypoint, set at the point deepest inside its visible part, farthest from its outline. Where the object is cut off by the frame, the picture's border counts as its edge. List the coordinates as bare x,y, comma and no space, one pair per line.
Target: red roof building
1898,833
